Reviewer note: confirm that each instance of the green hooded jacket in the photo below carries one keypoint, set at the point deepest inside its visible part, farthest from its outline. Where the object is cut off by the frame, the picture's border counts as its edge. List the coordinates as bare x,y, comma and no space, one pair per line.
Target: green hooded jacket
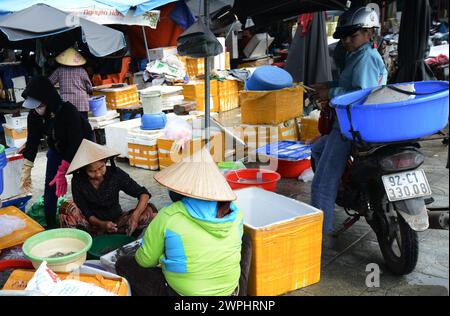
199,253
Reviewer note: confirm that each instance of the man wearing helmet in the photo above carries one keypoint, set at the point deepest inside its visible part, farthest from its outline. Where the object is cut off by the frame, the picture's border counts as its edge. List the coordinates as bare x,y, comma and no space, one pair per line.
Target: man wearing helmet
364,68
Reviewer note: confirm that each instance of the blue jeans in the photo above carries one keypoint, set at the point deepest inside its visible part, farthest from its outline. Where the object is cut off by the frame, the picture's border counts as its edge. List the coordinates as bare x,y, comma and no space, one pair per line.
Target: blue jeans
50,199
330,154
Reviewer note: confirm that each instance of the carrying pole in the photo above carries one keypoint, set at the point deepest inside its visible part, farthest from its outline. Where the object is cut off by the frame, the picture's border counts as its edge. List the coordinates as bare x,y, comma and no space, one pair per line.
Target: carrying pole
146,44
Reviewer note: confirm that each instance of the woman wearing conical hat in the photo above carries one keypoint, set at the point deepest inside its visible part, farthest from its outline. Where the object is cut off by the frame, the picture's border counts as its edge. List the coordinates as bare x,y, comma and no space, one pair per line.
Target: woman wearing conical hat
74,83
197,240
95,191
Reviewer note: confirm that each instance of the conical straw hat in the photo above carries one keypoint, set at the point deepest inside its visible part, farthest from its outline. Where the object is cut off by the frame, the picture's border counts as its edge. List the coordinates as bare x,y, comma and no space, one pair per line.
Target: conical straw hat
197,176
70,57
90,152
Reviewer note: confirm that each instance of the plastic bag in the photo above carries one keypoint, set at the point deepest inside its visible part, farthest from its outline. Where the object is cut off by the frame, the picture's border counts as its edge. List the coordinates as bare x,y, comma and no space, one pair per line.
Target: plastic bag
178,130
307,175
9,224
36,211
48,283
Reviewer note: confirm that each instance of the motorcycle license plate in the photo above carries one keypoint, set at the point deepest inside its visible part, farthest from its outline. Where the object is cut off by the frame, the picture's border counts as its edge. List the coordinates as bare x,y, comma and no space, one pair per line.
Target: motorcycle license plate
406,185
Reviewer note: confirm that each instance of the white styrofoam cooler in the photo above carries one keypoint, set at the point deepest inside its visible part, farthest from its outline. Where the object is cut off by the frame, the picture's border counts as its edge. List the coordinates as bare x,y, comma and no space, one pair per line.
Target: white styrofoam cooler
258,206
11,177
116,135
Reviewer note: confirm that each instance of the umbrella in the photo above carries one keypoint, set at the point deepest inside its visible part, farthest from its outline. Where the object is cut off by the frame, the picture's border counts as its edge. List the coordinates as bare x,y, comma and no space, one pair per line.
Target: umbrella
308,60
41,20
264,12
413,43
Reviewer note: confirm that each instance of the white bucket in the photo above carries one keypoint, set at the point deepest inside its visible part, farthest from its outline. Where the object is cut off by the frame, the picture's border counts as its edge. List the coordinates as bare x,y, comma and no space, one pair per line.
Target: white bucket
151,102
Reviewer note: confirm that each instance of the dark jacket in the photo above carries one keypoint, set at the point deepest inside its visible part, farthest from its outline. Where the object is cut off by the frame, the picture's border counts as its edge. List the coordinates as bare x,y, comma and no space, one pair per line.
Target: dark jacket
103,202
62,124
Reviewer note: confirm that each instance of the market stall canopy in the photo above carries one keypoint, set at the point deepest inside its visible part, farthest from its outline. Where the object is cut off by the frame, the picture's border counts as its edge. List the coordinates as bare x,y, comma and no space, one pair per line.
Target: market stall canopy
197,7
41,20
138,12
263,12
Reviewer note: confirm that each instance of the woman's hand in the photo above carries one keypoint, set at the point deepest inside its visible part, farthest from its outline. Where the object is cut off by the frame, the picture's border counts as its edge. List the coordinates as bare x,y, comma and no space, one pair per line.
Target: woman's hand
133,222
321,91
110,227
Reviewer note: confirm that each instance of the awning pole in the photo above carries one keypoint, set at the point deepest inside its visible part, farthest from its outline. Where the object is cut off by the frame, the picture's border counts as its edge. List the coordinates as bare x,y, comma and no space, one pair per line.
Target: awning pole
207,83
146,44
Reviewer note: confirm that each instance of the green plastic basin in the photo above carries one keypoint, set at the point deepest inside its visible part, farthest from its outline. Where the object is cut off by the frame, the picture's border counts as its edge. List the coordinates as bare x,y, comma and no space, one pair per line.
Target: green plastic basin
104,244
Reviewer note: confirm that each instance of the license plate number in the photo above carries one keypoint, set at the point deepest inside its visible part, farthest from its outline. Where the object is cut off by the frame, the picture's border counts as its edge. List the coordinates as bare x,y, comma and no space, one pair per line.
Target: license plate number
406,185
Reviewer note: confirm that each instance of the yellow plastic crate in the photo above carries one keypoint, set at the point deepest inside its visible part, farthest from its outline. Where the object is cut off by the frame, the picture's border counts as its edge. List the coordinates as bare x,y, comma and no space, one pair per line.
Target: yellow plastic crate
143,156
195,91
228,95
167,157
15,133
118,97
287,241
19,236
18,281
271,107
256,136
224,95
195,67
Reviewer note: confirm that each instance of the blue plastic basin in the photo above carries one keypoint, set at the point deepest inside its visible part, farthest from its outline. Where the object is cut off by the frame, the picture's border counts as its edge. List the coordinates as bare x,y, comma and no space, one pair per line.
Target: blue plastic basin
3,162
97,105
390,122
153,121
268,78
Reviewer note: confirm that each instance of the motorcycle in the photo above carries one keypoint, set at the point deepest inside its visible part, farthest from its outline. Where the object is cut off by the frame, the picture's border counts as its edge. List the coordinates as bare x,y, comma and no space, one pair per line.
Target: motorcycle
384,184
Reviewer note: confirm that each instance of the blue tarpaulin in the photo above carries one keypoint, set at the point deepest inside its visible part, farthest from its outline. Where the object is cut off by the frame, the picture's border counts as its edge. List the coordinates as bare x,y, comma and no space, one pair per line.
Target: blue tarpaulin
123,6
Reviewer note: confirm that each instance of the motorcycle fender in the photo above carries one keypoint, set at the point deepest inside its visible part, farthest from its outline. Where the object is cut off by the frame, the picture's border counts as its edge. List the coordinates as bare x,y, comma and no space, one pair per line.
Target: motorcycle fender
414,213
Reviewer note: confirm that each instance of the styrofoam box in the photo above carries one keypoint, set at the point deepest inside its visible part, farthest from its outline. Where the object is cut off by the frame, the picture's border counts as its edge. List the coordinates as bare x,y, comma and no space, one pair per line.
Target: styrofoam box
11,177
116,135
11,142
18,122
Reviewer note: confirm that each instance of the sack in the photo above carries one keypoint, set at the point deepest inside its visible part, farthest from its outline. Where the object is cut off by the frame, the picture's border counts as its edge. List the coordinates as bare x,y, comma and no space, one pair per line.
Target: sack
198,42
326,119
37,212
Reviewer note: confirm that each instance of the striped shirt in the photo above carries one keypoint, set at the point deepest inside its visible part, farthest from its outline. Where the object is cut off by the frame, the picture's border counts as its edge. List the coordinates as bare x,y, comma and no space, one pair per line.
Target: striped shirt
74,86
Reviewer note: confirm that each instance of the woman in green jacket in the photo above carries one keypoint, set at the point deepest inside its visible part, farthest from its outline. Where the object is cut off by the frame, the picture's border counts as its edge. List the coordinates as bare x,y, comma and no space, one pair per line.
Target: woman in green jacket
197,241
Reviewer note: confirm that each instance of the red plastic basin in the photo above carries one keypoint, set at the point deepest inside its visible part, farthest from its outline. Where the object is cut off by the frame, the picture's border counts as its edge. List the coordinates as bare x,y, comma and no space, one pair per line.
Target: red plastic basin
15,264
292,169
269,179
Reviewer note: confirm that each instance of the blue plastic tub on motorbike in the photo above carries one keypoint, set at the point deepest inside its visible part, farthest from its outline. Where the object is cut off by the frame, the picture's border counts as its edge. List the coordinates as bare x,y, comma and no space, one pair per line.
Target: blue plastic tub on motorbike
390,122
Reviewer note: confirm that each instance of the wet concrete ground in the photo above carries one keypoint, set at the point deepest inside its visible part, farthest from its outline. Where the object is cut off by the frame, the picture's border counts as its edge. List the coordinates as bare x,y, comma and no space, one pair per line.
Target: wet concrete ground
344,259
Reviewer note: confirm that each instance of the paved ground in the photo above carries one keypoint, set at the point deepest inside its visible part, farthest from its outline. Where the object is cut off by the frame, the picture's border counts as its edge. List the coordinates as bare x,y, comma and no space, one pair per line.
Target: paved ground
344,259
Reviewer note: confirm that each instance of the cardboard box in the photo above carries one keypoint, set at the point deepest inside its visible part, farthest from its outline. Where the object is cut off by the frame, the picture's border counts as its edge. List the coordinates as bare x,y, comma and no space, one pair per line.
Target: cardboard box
256,63
258,45
162,52
271,107
287,241
309,129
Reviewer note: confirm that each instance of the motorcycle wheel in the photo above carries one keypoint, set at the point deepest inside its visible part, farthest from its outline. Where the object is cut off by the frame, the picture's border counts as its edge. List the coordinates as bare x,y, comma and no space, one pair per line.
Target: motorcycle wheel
398,243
